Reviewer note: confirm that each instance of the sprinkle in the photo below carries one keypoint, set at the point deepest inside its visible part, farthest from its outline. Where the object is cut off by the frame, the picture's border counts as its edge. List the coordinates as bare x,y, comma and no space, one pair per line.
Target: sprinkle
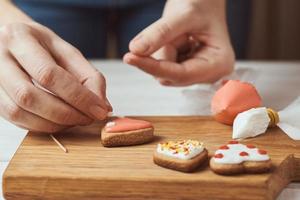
250,146
243,153
219,155
262,152
233,142
224,147
182,146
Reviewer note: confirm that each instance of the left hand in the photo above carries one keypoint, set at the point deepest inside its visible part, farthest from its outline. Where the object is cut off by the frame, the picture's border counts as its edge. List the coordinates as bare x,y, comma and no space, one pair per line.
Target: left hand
188,45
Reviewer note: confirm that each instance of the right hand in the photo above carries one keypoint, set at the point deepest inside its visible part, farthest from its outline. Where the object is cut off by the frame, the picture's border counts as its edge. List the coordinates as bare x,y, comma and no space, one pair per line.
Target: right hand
188,45
30,51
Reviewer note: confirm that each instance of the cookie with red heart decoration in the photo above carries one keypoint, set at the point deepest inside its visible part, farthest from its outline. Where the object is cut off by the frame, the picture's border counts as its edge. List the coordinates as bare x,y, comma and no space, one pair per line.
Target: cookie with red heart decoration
236,158
124,131
183,155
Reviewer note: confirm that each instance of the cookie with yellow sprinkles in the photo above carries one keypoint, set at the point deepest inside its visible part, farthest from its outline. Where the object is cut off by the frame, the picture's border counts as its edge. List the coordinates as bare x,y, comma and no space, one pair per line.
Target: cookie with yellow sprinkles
183,155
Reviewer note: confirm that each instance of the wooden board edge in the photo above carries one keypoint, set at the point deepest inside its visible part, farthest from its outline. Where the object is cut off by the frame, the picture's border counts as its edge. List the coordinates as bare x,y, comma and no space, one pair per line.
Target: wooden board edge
48,188
4,176
281,176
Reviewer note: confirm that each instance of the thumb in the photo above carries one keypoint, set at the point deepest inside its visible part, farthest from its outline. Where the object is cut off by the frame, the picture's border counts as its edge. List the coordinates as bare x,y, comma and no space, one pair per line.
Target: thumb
157,35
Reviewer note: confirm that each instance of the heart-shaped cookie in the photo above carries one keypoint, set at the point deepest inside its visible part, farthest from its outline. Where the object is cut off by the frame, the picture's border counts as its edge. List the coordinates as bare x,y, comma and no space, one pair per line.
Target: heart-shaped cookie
184,155
235,158
126,131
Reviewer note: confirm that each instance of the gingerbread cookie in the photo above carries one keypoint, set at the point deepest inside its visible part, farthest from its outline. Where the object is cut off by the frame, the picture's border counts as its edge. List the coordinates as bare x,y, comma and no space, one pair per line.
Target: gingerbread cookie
125,131
236,158
185,155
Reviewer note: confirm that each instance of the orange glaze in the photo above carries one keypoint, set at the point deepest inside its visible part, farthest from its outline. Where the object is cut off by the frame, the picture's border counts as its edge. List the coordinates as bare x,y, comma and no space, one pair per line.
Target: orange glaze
127,124
233,98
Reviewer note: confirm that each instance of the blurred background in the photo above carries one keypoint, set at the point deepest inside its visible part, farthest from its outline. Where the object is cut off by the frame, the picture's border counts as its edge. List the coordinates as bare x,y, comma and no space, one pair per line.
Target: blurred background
268,29
259,29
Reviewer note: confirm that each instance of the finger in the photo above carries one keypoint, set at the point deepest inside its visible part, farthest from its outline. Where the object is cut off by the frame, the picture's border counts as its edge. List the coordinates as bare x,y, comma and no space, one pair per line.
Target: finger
171,50
13,113
96,83
165,82
167,52
205,69
21,90
48,74
207,65
157,35
77,66
159,68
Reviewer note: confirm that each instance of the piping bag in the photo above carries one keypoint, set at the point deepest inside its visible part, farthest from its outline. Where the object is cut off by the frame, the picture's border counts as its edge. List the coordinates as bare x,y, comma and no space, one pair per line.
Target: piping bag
233,98
255,121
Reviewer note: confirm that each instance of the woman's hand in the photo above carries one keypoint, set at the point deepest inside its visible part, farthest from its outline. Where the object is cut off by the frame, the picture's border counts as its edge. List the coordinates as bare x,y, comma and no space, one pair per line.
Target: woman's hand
188,45
30,52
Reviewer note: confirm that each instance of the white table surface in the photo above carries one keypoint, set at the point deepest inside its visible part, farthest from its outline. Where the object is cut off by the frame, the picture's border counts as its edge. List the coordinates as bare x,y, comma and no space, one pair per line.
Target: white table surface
132,92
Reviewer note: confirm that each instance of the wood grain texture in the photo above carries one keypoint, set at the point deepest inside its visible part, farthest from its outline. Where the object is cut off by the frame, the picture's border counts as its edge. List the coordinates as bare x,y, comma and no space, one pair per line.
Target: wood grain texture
40,170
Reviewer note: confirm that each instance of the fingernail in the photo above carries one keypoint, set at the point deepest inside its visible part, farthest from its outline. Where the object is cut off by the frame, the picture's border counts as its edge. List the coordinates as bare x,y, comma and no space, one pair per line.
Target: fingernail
109,114
127,59
98,112
137,37
138,45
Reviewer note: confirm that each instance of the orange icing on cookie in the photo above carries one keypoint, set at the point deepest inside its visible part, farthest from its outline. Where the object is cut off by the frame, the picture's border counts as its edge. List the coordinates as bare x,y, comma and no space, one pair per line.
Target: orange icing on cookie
126,124
233,98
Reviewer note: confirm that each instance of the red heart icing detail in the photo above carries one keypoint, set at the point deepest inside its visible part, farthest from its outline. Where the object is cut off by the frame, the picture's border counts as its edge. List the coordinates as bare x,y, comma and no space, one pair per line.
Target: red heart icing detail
127,124
262,152
243,153
233,142
250,146
225,147
219,155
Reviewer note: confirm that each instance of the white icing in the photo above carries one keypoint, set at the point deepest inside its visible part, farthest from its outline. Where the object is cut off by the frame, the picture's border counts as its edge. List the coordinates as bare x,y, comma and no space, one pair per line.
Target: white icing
250,123
232,155
193,150
110,124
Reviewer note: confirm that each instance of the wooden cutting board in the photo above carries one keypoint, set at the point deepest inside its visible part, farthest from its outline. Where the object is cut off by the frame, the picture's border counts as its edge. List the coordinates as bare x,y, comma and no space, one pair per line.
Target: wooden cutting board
40,170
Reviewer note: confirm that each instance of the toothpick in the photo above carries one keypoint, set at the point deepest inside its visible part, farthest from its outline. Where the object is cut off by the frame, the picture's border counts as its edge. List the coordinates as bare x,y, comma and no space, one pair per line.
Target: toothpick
59,144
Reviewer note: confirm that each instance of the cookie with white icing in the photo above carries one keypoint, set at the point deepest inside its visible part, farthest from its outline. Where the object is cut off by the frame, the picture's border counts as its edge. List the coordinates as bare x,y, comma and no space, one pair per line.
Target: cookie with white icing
236,158
126,131
185,155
